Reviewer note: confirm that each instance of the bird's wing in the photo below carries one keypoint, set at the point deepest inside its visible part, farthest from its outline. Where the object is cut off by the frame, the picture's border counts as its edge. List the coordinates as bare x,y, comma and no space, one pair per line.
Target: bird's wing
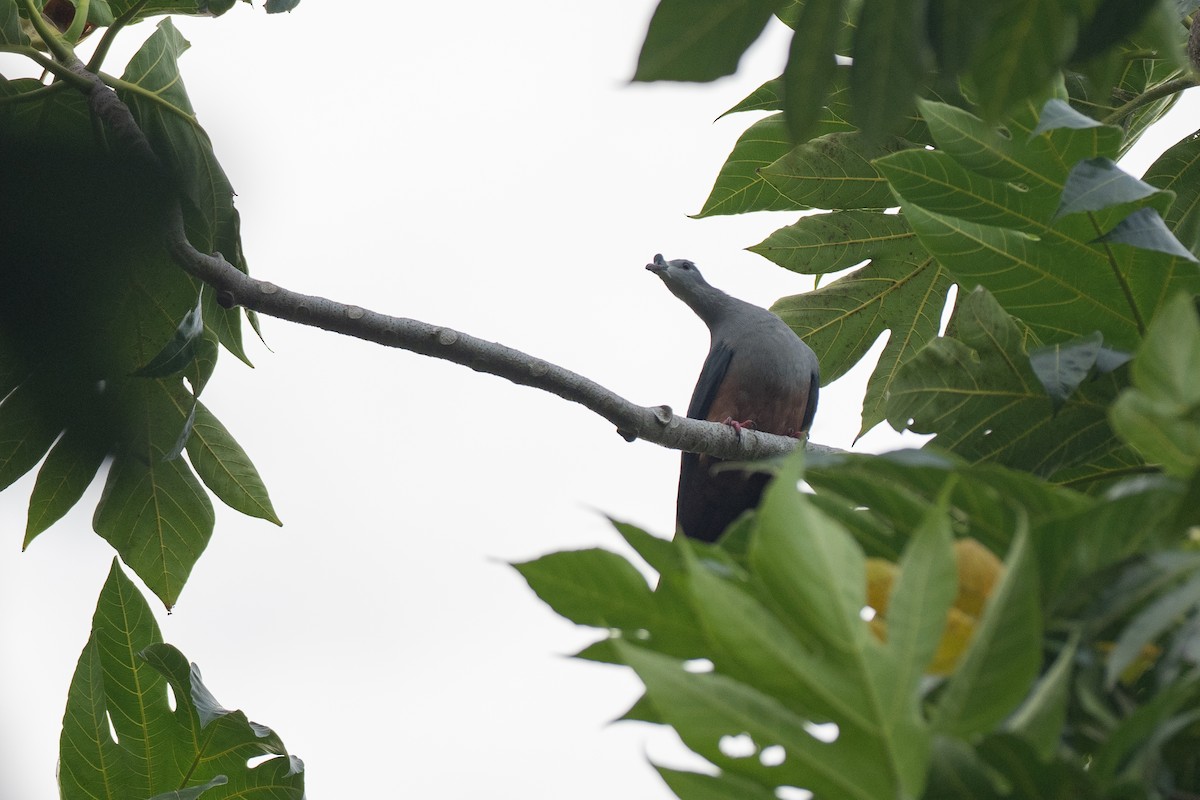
810,403
712,374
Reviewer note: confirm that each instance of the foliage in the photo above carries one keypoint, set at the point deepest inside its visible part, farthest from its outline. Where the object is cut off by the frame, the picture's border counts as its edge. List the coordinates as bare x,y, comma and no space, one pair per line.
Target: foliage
114,375
964,162
169,737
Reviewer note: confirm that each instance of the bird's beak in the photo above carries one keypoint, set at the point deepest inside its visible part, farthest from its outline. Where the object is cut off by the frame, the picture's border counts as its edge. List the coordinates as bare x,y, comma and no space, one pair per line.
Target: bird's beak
658,264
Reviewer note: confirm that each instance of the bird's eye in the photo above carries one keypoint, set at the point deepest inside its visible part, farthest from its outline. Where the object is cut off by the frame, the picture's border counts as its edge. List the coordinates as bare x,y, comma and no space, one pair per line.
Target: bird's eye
686,265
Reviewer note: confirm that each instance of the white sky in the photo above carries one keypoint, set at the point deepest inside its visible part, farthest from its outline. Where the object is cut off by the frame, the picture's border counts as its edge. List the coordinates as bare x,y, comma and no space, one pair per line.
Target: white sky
479,165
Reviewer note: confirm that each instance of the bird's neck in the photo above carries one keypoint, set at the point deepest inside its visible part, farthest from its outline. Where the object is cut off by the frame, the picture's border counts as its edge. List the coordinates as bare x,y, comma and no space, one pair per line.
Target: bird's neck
710,304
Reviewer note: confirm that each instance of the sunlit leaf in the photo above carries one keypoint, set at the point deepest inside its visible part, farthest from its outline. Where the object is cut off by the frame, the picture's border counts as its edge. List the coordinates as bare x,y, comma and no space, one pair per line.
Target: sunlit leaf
902,289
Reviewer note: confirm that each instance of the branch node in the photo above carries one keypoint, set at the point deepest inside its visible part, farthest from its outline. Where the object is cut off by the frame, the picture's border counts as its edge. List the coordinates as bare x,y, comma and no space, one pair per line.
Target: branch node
627,434
663,414
538,368
447,337
266,287
355,312
225,299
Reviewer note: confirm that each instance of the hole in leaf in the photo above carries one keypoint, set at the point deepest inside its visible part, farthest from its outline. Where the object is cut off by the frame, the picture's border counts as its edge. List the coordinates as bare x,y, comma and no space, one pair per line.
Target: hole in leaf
823,732
255,761
698,665
947,309
793,793
772,756
740,746
866,614
112,729
172,703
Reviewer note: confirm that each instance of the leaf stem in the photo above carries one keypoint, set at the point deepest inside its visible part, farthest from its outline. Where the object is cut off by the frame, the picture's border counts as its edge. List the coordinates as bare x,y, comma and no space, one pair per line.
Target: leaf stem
1149,96
1126,289
110,35
46,63
153,97
78,22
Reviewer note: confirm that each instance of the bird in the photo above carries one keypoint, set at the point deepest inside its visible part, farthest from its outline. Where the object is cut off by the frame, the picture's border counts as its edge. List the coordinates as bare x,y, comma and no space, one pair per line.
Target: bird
759,374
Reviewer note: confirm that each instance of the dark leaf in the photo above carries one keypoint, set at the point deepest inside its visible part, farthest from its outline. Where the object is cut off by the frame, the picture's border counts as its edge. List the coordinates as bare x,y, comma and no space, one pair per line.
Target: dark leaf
1063,367
811,66
1146,230
891,60
1097,183
65,475
1178,171
700,40
181,350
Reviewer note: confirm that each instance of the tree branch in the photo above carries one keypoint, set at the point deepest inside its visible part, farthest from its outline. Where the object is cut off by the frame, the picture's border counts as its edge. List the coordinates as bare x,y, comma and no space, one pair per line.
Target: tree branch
656,424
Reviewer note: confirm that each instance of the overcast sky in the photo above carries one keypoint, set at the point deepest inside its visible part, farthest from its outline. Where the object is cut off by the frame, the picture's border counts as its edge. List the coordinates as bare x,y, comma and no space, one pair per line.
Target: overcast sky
487,167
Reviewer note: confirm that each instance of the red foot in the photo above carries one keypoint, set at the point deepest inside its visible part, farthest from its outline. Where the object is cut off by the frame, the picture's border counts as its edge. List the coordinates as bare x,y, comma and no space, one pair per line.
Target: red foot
738,426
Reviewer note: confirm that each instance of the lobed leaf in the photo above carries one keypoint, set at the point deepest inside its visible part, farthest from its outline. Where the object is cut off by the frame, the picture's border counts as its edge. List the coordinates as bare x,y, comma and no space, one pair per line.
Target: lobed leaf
902,290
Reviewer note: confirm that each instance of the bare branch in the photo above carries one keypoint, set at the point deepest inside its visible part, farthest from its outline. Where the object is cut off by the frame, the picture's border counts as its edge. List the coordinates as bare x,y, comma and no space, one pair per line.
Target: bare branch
656,424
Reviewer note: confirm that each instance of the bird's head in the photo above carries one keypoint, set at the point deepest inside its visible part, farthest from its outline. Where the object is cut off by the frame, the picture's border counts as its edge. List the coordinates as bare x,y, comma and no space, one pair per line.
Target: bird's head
680,276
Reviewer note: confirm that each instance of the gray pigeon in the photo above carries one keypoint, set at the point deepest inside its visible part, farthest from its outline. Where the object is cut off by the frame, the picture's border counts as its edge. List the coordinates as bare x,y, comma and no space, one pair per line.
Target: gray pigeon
758,374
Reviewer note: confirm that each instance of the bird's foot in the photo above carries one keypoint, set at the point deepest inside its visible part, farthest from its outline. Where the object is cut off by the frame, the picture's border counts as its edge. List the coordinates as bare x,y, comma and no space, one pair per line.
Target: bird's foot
739,426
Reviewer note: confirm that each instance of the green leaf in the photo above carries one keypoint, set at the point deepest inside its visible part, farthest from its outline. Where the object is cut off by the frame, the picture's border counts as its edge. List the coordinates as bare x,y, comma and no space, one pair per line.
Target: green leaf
1152,622
1159,416
902,289
1145,229
700,40
1097,183
1040,719
10,24
590,587
181,350
958,773
194,792
1061,368
891,60
1004,655
704,708
815,578
153,510
1053,273
811,67
1016,762
112,685
916,612
978,393
25,433
698,786
835,172
158,518
197,749
740,187
225,468
1178,170
66,473
767,97
1111,22
211,220
1021,53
